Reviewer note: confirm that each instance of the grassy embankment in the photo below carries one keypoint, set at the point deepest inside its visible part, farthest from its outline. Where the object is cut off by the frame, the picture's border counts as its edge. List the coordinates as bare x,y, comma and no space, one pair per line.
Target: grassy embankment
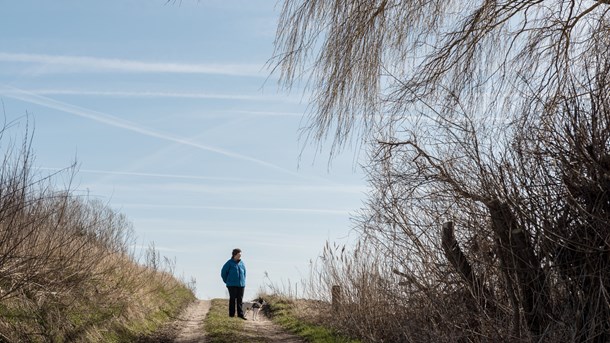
298,317
67,268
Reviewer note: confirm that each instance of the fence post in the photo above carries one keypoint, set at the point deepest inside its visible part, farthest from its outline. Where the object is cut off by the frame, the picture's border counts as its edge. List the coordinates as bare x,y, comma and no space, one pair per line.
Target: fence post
336,298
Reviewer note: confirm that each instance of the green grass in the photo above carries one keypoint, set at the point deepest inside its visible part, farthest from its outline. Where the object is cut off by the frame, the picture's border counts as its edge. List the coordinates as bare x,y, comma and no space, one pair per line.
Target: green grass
170,304
282,313
220,328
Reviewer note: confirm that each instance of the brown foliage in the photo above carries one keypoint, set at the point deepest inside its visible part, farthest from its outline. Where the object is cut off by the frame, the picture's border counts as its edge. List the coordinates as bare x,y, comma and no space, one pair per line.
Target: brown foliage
67,269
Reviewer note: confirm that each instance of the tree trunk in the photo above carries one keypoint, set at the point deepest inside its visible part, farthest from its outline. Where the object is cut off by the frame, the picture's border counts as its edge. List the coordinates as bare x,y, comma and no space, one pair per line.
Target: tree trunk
520,258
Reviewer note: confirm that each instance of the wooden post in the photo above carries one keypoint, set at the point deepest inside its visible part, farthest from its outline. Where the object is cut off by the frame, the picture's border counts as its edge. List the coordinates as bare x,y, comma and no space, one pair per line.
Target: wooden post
336,298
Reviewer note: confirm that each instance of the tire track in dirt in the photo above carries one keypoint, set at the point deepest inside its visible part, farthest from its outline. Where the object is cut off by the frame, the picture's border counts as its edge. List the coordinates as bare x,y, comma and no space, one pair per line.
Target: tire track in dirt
191,328
263,328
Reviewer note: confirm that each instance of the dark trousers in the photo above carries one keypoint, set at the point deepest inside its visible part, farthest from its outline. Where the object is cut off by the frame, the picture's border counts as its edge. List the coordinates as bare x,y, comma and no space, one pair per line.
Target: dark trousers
236,297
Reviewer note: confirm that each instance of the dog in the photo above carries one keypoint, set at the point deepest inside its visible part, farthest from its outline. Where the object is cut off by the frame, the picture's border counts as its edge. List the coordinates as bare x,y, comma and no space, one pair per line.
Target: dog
254,306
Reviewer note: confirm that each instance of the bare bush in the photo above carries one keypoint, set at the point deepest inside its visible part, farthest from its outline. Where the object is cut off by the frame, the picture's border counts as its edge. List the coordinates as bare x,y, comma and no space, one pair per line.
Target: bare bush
67,272
526,251
489,117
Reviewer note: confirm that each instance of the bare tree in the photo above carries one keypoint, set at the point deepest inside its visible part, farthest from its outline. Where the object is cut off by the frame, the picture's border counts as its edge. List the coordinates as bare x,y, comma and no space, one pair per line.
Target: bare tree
394,59
493,116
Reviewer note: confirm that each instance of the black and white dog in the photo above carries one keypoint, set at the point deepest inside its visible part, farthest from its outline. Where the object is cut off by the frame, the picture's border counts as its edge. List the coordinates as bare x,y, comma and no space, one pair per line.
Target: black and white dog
254,306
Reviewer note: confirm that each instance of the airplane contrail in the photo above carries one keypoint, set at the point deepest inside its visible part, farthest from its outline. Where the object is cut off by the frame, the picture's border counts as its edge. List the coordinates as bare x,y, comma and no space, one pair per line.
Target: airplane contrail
247,209
153,175
179,95
110,120
97,64
147,94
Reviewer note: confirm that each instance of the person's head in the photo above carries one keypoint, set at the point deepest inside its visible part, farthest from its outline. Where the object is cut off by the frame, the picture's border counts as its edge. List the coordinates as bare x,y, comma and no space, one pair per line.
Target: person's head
236,254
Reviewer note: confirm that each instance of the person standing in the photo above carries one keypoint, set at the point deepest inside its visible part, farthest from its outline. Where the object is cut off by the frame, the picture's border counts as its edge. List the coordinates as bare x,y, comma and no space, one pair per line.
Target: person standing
233,274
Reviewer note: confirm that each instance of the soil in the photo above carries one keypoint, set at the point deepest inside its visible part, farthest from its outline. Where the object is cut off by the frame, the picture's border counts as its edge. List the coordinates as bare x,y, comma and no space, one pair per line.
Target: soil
188,327
263,327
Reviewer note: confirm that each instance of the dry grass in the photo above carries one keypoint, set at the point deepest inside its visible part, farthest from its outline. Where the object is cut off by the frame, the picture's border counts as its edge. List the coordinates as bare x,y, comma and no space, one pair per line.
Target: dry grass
66,270
303,318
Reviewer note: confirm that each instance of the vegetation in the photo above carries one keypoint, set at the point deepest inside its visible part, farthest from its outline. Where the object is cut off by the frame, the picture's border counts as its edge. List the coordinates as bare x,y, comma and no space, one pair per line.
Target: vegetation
293,316
487,125
220,328
296,317
67,272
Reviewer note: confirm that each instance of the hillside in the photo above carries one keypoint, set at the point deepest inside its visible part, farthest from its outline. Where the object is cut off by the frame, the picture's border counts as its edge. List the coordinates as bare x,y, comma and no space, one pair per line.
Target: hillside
68,271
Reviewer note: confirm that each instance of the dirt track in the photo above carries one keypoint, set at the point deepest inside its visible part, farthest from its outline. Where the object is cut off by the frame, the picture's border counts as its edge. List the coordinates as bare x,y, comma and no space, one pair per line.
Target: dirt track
189,327
263,327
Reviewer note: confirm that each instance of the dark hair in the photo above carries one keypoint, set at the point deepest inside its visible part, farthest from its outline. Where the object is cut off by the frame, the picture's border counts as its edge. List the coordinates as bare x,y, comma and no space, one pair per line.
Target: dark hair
235,252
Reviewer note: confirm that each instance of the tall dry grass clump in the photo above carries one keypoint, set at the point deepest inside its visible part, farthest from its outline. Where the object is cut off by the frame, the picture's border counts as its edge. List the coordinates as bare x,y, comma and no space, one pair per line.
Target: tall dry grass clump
67,269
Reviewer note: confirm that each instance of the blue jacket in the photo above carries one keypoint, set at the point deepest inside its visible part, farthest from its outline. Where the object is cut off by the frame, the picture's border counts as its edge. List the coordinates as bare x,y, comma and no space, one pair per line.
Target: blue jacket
234,273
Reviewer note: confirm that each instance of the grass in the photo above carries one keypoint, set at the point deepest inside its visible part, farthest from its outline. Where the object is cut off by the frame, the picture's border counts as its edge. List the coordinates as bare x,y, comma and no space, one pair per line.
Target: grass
147,326
169,304
283,311
221,328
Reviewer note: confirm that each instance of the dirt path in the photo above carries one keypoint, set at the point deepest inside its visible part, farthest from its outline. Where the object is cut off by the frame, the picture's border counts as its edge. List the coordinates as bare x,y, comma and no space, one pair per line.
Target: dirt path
263,327
189,328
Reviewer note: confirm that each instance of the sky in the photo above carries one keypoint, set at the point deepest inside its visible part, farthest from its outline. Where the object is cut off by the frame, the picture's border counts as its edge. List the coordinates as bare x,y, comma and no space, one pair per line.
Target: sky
174,121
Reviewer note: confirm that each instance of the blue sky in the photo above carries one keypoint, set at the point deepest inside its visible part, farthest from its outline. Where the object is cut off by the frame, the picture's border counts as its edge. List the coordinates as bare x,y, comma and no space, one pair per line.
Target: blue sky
174,121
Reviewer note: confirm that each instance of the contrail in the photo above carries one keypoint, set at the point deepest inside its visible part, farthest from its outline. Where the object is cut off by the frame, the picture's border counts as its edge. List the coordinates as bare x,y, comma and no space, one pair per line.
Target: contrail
147,94
178,95
281,184
237,186
271,113
130,126
248,209
96,64
252,186
153,175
